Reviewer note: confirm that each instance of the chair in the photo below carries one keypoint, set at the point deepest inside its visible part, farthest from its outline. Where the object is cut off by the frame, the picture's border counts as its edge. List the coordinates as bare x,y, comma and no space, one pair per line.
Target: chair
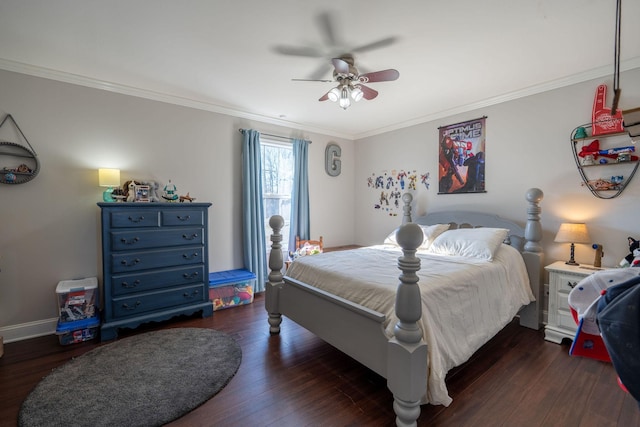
301,243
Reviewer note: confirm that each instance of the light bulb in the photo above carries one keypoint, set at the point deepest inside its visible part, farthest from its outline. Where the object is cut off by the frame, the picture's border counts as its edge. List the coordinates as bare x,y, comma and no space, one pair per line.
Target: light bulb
357,94
345,102
334,94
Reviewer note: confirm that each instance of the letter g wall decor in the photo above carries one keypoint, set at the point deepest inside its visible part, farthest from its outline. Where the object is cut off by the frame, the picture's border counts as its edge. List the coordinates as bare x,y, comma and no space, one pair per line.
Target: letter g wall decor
332,162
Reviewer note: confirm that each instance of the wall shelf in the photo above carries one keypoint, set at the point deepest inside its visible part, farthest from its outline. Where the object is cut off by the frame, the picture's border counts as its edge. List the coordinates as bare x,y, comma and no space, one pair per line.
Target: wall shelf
600,155
18,163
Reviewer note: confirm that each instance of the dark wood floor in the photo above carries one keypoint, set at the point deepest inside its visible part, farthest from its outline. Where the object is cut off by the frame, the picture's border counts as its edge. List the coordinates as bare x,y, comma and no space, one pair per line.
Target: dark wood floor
294,379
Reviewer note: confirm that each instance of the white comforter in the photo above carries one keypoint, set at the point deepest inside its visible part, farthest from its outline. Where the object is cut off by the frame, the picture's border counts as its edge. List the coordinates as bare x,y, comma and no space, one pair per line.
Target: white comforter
465,302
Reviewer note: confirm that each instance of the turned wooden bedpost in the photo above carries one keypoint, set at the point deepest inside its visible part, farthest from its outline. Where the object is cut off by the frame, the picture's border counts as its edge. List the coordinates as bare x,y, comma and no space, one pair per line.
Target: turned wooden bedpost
275,282
531,315
407,350
407,198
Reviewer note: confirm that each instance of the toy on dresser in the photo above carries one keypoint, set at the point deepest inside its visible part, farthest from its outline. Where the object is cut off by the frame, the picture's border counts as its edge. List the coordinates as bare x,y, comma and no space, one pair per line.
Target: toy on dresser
633,258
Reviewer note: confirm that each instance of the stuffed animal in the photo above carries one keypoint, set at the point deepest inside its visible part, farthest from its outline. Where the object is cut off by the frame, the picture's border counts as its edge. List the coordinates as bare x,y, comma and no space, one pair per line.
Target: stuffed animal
633,259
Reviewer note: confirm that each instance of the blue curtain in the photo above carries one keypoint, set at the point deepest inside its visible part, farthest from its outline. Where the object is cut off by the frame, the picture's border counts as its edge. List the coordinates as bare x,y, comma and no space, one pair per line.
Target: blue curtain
253,239
300,193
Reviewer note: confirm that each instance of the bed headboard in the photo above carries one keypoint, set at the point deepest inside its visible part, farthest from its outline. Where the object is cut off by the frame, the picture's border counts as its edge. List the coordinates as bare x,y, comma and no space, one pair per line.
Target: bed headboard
525,239
468,219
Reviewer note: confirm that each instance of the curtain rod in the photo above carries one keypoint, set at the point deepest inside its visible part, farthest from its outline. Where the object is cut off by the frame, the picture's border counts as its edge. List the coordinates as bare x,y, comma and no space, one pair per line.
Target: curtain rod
274,136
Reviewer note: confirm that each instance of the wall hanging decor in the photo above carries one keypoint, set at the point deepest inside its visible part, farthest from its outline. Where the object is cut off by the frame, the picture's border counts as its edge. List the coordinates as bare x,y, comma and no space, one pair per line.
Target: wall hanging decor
461,157
18,164
332,163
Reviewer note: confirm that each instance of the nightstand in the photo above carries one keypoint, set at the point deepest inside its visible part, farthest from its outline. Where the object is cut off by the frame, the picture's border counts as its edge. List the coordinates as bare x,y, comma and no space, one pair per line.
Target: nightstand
563,278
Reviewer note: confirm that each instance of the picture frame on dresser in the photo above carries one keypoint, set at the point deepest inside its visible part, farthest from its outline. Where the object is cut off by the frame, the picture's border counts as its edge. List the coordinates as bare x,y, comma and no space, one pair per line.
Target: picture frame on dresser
154,262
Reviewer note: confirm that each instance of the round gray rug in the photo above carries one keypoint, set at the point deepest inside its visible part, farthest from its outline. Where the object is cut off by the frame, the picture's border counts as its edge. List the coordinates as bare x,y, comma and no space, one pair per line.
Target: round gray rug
143,380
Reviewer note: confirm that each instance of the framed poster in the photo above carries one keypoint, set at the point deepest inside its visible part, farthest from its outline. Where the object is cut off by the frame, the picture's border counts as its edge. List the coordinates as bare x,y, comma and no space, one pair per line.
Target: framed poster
461,157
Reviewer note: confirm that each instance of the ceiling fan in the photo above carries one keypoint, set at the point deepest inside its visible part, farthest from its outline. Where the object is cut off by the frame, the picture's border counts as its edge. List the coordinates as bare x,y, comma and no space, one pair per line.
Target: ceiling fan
351,82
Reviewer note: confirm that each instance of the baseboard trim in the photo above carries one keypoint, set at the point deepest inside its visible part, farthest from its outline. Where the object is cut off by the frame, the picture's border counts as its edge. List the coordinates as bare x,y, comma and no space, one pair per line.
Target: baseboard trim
24,331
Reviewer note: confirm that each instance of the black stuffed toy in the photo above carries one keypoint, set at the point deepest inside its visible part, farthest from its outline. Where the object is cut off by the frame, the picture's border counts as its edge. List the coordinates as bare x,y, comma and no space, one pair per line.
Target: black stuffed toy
633,259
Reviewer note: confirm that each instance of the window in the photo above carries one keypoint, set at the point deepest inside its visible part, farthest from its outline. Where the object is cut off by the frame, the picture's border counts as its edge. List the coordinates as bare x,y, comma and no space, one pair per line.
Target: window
277,184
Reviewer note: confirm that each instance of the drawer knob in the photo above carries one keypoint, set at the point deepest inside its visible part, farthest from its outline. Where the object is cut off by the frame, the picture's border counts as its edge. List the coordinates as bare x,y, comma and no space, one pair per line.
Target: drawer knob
572,284
190,275
130,286
138,219
129,242
187,237
184,218
128,307
192,295
192,256
129,264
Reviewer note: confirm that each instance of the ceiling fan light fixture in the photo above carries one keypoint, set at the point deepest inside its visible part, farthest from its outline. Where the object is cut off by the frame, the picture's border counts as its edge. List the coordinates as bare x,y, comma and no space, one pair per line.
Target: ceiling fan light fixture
344,102
357,94
334,94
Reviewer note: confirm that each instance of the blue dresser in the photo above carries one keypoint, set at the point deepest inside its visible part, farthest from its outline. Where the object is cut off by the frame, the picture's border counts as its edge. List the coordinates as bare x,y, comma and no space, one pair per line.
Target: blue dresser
155,263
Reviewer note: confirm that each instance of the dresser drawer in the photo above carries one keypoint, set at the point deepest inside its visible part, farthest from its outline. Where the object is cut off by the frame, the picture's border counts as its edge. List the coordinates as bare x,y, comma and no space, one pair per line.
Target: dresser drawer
135,218
151,301
143,239
125,284
136,261
182,217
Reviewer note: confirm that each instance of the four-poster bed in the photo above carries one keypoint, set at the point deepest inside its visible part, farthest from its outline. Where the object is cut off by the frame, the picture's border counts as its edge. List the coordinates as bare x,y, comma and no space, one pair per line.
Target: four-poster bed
410,332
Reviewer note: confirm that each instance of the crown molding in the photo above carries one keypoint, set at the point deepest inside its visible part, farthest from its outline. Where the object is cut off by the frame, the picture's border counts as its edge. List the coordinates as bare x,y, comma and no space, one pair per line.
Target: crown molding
80,80
76,79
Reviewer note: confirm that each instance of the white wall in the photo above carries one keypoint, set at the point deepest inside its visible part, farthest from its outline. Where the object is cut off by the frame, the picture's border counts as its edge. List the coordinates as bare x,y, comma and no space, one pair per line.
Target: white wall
528,146
49,227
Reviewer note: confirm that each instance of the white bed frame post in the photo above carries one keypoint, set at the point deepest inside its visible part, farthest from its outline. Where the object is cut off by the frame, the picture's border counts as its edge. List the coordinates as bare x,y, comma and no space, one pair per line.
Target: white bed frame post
407,351
531,315
407,198
275,283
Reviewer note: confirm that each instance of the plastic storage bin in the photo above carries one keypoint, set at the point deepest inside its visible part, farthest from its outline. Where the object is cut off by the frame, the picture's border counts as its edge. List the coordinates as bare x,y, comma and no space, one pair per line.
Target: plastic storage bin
77,299
231,288
78,331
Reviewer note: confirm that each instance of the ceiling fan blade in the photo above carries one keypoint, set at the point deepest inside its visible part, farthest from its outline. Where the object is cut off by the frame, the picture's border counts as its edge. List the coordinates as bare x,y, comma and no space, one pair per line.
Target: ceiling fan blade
341,66
310,52
325,22
367,92
322,71
324,97
311,80
376,45
379,76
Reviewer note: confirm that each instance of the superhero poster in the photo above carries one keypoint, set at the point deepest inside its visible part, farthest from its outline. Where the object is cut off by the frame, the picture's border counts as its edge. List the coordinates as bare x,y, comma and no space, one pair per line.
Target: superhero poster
461,157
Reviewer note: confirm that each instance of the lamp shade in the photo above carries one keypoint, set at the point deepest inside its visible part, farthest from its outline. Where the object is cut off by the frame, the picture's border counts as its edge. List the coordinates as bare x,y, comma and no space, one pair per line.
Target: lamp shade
109,177
572,233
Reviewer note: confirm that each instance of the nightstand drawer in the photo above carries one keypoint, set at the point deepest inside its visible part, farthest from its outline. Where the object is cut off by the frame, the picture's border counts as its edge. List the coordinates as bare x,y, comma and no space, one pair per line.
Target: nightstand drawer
565,320
566,282
563,302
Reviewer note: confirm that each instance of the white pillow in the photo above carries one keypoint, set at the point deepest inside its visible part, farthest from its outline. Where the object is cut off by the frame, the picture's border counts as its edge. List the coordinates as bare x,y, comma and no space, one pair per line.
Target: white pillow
430,232
481,243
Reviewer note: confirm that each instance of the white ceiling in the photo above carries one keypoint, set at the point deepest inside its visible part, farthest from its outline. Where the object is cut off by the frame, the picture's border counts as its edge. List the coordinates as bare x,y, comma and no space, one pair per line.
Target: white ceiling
452,55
